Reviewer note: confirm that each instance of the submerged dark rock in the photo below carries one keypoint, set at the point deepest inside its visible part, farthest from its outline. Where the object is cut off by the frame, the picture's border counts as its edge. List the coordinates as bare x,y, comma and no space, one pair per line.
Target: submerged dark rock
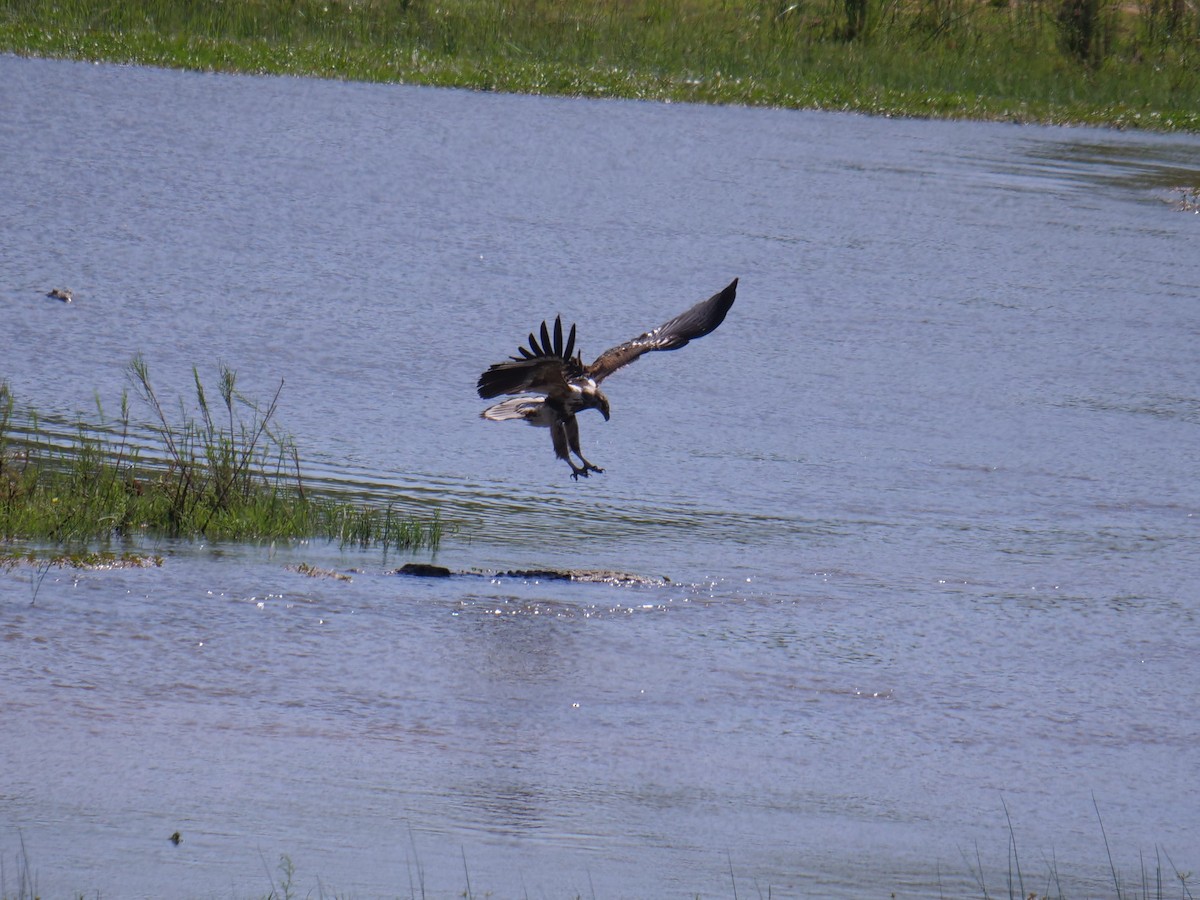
424,570
586,576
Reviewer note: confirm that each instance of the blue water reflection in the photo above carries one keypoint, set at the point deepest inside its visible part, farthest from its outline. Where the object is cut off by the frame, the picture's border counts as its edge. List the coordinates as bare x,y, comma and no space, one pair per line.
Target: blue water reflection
927,501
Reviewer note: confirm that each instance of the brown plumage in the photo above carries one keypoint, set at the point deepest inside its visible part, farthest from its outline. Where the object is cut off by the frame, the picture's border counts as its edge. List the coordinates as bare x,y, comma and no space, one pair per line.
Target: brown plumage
561,385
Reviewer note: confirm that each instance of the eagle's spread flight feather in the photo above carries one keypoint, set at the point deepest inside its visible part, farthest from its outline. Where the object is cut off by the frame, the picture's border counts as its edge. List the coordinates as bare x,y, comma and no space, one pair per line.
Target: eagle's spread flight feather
562,385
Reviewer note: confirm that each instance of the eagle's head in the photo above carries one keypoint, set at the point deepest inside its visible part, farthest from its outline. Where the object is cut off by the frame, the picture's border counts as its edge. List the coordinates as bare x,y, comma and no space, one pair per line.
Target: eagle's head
600,402
588,396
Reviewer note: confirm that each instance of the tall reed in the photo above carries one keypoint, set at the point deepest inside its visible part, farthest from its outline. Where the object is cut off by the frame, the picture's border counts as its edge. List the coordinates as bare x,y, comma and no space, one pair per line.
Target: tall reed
222,471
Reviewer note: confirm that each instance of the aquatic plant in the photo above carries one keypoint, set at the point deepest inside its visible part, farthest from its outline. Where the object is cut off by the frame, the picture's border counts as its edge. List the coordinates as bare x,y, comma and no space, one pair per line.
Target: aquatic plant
84,559
220,473
1157,884
1125,64
1163,882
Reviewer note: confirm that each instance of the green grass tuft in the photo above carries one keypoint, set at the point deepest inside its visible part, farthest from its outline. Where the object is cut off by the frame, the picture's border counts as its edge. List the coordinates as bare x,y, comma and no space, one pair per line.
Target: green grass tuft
221,472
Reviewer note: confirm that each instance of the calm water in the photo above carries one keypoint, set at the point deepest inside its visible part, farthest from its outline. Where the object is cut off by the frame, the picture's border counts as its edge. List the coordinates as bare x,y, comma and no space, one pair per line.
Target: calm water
929,500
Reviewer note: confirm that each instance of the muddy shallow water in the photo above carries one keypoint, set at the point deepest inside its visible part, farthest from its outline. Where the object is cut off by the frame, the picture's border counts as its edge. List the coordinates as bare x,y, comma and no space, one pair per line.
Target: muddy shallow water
927,500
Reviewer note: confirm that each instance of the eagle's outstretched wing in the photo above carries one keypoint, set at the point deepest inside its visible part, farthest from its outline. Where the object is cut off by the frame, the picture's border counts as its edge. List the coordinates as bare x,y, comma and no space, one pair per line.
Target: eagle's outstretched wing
563,386
543,368
696,322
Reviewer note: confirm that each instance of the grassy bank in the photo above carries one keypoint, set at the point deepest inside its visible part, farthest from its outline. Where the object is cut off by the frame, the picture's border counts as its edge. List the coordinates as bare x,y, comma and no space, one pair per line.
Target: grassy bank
1128,63
221,471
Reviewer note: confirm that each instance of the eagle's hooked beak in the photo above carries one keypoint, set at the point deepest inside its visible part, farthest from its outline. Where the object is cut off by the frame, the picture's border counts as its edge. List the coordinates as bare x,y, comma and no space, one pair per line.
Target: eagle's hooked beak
604,408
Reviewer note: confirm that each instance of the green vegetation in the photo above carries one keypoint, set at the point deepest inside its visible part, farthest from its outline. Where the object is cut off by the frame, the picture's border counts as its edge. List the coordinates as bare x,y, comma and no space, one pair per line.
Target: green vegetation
222,473
1130,63
1157,884
1159,879
84,559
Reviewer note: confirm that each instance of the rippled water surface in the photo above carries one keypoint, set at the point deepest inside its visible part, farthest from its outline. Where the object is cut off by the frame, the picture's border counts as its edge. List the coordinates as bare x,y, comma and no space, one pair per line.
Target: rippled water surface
928,501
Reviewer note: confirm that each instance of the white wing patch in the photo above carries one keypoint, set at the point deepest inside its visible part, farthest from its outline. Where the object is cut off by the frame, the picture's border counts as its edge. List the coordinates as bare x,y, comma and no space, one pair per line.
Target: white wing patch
532,409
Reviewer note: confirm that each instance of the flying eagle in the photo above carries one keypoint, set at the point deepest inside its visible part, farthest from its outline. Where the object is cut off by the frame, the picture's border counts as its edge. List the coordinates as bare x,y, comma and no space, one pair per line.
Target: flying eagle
563,386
